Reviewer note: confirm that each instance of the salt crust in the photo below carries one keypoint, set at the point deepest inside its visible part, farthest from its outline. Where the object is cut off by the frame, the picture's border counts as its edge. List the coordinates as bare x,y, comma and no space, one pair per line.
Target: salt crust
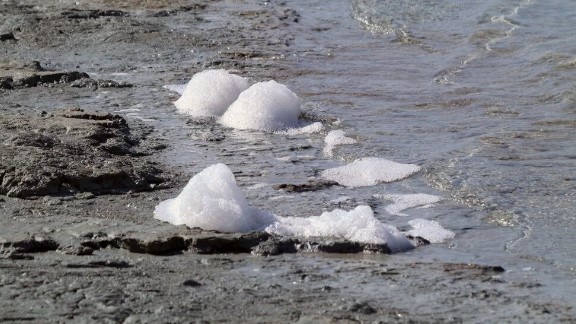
369,171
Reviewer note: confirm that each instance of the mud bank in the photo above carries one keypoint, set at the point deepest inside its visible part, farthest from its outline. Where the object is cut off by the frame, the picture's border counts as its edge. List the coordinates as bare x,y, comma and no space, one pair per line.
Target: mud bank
78,184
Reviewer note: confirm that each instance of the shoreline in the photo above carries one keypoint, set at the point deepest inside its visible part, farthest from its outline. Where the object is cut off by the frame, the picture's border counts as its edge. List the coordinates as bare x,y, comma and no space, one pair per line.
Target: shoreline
80,254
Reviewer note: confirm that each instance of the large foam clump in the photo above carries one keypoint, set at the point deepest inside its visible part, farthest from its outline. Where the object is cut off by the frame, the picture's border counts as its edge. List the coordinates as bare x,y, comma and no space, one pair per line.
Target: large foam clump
403,202
429,230
212,201
357,225
369,172
266,106
210,92
336,137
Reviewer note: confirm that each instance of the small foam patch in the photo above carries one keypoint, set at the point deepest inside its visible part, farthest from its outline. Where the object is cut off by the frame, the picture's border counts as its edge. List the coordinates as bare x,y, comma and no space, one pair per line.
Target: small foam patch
430,230
336,137
369,172
403,202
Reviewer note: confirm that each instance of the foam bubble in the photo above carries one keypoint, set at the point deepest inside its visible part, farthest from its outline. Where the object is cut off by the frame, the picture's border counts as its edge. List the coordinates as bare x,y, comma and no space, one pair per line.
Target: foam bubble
336,137
210,92
403,202
267,106
357,225
430,230
369,172
212,201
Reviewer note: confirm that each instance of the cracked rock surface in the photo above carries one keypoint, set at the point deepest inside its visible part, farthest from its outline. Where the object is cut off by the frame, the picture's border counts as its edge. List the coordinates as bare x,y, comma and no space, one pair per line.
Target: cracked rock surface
84,160
73,151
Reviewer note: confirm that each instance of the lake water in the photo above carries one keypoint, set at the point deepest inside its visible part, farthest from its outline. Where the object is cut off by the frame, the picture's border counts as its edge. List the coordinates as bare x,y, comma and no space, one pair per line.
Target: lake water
480,94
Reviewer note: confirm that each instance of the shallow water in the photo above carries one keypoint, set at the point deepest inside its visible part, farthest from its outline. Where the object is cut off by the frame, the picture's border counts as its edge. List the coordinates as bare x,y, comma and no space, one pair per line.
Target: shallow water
481,94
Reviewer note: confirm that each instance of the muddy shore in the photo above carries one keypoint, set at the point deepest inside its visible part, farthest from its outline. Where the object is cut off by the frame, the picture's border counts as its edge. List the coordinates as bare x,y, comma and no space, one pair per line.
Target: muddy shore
79,182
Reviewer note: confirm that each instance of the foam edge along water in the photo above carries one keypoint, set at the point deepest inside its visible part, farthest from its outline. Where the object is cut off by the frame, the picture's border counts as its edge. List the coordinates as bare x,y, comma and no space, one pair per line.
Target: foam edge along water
212,201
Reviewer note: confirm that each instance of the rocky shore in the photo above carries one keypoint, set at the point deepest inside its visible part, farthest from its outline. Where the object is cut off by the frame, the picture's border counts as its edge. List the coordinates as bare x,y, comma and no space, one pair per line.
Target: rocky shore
79,182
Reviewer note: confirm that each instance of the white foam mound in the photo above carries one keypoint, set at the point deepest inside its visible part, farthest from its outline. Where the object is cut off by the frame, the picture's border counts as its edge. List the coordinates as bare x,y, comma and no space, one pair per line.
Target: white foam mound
357,225
403,202
266,106
336,137
212,201
210,92
430,230
369,171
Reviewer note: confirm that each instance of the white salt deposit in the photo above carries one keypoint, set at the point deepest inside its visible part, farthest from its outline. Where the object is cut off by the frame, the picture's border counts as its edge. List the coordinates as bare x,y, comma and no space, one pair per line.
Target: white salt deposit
212,201
266,106
369,172
430,230
357,225
210,92
336,137
403,202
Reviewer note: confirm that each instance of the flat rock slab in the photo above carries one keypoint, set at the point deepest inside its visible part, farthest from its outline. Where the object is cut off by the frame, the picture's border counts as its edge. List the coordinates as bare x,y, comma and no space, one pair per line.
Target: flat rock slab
72,151
88,235
17,74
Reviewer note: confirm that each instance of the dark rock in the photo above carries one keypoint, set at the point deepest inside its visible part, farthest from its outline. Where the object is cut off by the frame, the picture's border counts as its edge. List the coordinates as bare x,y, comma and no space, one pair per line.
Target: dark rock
362,308
73,151
276,246
96,84
205,242
32,244
418,241
7,36
75,250
85,83
17,74
231,243
161,246
92,14
464,267
19,256
191,283
312,185
101,264
6,83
